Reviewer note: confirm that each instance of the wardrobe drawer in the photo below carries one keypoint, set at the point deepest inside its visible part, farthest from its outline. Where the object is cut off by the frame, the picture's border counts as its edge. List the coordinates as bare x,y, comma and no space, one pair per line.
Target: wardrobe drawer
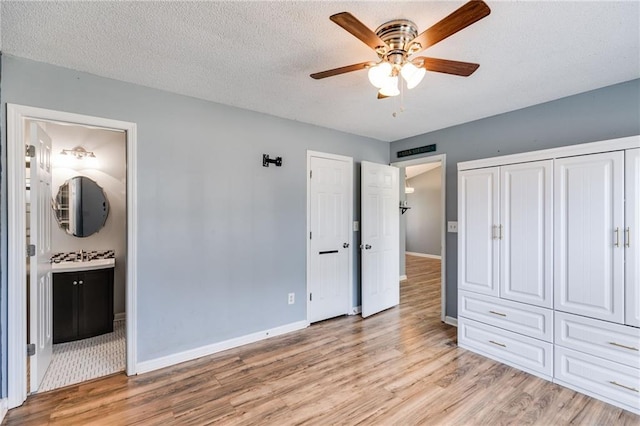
515,348
525,319
609,379
611,341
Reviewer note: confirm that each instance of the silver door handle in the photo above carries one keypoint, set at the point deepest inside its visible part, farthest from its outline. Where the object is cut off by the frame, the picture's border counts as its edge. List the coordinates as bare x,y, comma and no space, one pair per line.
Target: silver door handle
81,282
367,246
345,245
75,283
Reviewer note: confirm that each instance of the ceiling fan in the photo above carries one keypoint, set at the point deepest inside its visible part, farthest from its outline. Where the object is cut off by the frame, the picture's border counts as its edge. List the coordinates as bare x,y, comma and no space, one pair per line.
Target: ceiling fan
397,40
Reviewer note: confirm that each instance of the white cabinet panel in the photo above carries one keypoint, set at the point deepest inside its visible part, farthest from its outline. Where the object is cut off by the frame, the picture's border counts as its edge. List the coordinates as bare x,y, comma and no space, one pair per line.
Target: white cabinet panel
611,380
518,317
632,236
607,340
589,221
514,348
526,270
478,219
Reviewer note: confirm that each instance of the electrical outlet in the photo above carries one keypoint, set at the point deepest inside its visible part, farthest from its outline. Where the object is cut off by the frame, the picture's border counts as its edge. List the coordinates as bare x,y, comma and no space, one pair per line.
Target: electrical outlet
292,298
452,226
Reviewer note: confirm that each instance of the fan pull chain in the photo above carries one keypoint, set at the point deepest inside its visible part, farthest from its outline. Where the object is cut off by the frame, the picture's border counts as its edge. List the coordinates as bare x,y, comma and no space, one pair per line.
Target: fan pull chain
401,101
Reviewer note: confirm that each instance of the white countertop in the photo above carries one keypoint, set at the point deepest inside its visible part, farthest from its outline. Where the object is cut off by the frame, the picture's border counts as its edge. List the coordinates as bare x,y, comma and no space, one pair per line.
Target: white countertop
83,266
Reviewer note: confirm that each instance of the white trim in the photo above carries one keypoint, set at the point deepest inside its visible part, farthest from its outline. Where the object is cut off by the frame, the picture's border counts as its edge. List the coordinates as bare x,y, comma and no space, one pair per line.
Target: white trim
403,277
191,354
4,404
451,321
563,151
356,310
16,265
442,158
430,256
349,160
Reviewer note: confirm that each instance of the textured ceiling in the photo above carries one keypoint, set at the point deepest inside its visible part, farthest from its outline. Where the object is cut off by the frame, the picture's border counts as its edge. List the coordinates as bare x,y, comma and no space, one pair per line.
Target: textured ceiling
258,55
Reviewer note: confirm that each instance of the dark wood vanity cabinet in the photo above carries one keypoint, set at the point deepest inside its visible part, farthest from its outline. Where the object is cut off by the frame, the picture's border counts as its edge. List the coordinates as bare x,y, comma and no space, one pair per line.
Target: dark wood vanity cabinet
82,304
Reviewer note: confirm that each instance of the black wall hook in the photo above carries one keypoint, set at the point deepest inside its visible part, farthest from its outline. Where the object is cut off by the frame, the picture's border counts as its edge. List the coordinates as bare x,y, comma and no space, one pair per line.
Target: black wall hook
266,160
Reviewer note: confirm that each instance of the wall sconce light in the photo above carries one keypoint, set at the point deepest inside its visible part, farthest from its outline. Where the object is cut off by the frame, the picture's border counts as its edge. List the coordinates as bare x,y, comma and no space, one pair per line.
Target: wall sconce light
266,160
78,152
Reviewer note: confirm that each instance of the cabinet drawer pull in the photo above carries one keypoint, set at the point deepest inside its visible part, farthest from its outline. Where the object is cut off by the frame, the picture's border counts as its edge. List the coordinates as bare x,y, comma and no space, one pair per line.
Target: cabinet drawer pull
631,348
498,313
496,343
623,386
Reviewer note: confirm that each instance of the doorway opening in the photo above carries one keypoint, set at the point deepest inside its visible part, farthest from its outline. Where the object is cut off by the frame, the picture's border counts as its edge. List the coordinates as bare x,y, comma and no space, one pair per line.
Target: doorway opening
88,255
423,225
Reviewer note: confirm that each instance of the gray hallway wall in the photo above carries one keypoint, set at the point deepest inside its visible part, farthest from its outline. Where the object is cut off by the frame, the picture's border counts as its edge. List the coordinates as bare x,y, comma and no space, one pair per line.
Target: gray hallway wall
424,220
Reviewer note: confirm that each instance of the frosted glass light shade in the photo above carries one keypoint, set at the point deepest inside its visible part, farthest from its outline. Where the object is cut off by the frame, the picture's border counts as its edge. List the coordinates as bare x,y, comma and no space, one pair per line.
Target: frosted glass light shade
412,74
378,74
390,87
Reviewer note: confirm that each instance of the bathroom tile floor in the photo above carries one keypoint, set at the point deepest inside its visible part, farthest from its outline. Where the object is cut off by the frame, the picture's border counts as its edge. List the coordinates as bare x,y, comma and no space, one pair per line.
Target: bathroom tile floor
86,359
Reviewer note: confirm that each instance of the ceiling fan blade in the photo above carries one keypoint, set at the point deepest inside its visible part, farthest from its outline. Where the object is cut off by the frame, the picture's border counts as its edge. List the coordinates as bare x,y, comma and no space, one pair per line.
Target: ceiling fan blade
461,18
464,69
341,70
358,29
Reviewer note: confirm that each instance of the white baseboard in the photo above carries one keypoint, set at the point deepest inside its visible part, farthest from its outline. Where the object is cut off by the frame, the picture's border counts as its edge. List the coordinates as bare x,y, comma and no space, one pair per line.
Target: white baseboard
169,360
430,256
356,310
403,277
120,316
451,321
4,405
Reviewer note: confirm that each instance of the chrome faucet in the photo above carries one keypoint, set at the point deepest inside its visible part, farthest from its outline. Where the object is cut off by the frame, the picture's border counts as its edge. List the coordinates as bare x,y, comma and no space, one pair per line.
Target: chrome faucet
81,255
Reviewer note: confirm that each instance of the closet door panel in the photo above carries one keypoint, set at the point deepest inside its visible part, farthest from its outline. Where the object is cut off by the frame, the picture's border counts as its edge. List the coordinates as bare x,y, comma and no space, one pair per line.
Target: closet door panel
478,219
588,228
526,271
632,236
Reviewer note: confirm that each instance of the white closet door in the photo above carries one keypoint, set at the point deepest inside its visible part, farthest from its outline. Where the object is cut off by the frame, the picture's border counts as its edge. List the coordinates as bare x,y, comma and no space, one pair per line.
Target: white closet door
588,227
632,236
526,270
478,230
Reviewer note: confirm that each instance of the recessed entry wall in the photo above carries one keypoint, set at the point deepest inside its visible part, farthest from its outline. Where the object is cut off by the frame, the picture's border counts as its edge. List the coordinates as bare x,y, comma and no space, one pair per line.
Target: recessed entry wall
108,170
424,219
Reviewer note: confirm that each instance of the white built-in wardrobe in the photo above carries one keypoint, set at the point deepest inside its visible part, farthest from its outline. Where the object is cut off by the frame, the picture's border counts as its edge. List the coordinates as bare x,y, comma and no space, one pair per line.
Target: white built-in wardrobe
549,266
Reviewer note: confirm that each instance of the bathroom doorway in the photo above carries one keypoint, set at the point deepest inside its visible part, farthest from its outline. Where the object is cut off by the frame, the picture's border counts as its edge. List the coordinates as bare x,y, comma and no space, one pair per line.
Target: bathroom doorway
85,203
111,168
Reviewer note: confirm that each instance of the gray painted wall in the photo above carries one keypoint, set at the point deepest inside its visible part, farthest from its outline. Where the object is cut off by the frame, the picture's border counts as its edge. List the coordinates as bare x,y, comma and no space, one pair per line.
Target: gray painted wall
607,113
221,239
424,220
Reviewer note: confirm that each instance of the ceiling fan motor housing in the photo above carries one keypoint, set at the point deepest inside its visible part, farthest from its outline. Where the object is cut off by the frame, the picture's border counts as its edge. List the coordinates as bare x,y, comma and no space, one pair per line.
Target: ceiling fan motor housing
397,34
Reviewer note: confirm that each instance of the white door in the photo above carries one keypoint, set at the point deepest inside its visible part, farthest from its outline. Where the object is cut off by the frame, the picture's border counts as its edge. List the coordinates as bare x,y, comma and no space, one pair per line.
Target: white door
588,229
40,280
330,206
632,236
380,201
526,214
479,230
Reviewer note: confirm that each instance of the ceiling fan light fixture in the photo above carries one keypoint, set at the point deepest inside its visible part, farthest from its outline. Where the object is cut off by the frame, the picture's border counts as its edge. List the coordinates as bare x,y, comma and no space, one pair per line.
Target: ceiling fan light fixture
390,87
412,75
379,73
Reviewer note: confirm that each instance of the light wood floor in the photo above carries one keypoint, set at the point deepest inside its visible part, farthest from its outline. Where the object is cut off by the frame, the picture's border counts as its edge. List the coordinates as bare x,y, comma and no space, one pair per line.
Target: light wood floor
401,367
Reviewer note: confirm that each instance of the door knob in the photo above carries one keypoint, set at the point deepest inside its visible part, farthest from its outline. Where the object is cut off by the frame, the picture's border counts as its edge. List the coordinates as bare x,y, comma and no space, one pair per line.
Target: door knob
345,245
367,246
75,283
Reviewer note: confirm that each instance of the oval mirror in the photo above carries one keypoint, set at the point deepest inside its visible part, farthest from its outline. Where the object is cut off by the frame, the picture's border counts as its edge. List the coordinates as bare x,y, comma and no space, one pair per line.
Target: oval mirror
81,206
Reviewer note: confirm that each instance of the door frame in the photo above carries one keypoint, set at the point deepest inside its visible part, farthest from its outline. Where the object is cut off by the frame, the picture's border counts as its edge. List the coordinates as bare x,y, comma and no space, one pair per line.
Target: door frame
442,158
349,308
16,220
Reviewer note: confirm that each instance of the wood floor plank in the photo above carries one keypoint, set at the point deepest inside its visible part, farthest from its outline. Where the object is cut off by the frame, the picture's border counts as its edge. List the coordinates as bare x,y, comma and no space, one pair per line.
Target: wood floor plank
401,366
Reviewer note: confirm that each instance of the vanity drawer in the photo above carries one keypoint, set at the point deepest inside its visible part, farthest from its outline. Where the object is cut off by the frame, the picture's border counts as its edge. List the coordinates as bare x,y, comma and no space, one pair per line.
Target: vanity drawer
611,341
525,319
513,348
609,379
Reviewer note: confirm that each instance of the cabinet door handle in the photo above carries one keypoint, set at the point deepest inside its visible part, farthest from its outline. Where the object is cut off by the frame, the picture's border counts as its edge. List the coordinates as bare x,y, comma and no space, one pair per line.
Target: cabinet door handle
623,386
627,237
493,232
500,227
631,348
498,313
75,283
81,282
617,231
499,344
